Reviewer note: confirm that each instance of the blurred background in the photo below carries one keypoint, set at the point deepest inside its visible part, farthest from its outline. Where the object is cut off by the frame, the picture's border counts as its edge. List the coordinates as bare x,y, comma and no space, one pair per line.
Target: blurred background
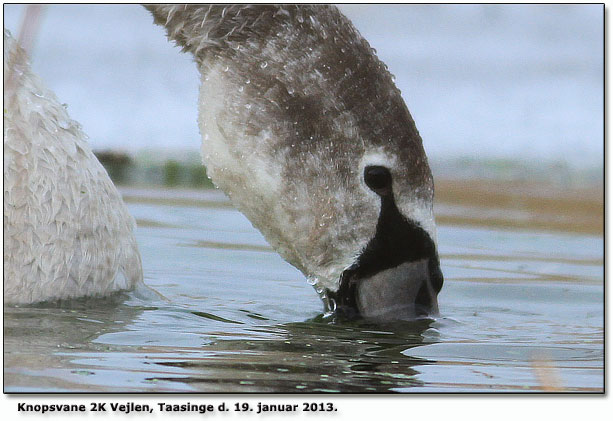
512,93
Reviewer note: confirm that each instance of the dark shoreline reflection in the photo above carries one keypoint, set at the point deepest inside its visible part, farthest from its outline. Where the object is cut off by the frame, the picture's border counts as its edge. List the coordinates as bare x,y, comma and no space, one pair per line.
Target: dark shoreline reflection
310,356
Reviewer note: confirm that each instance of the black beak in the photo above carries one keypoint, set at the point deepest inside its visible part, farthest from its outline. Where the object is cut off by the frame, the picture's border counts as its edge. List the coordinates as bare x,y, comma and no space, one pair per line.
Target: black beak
396,277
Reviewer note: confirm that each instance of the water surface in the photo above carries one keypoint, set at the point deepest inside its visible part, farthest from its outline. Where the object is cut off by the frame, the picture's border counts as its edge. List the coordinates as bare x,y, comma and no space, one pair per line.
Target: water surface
520,311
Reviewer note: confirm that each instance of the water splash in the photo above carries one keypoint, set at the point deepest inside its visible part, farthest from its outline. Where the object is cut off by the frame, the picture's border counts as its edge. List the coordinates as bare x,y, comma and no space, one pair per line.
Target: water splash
322,292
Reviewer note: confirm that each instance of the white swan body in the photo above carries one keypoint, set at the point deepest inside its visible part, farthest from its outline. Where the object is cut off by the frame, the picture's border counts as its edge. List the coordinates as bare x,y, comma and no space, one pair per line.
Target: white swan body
304,129
67,232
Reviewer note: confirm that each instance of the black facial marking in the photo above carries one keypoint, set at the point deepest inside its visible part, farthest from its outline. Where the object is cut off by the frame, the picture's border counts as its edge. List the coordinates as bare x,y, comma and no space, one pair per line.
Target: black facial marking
378,179
397,240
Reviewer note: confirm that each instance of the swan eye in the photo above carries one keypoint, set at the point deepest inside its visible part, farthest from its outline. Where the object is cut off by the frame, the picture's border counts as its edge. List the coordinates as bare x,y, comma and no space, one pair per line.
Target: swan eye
378,179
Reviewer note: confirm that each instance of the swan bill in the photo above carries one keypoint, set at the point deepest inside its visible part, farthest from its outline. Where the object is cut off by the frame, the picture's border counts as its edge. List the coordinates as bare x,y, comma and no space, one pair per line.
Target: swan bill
398,274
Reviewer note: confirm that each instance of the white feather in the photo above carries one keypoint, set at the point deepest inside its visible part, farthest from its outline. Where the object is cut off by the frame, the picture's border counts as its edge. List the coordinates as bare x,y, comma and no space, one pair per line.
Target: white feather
67,232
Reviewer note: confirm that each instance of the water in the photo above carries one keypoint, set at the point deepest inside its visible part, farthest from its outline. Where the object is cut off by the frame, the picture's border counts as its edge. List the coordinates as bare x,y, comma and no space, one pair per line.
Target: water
520,311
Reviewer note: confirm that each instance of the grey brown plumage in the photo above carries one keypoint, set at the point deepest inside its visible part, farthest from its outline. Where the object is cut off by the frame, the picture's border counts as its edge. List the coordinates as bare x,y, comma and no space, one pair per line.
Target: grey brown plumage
294,104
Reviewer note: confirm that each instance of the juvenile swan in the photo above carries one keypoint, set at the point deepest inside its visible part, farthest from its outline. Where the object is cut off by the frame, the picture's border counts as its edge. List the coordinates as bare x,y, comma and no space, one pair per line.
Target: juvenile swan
304,129
67,232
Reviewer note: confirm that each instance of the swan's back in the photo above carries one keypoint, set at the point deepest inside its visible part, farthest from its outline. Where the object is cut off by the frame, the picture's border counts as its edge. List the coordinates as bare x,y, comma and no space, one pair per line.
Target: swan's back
67,232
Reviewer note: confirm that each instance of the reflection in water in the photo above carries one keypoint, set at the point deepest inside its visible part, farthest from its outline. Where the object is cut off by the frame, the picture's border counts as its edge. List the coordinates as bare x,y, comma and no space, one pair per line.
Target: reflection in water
518,309
312,356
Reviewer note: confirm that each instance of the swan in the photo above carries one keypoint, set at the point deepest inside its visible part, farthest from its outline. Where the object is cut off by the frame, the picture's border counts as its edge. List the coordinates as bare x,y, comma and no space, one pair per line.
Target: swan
67,232
305,131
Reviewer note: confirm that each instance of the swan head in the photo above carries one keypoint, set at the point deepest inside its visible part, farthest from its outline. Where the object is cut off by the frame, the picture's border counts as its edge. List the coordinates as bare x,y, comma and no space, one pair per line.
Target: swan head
306,132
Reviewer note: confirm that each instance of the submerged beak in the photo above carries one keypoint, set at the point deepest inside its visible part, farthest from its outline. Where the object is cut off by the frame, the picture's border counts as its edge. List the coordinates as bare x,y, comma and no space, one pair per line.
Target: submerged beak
405,292
396,277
